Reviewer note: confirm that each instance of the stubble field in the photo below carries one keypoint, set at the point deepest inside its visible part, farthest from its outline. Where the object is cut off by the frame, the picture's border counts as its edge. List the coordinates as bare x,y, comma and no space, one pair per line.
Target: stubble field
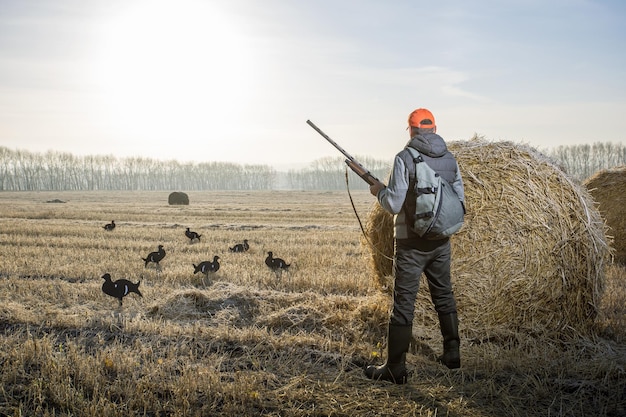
245,341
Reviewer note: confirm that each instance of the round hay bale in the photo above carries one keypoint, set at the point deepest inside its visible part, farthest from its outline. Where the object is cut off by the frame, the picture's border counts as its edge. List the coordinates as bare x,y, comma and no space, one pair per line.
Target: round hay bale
607,188
531,254
178,198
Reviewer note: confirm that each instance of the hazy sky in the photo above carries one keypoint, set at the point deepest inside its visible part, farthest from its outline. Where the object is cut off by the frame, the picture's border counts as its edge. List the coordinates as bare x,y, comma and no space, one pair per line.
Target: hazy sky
236,80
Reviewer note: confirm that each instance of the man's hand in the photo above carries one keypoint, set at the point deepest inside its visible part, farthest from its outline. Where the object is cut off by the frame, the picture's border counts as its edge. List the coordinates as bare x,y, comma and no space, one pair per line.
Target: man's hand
376,187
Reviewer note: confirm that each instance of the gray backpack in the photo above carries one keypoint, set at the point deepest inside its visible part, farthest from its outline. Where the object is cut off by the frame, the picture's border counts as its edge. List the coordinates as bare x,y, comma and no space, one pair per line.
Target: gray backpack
438,211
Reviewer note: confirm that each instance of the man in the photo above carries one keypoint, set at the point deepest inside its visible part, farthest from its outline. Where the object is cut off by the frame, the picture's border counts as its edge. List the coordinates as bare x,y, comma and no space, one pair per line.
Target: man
414,255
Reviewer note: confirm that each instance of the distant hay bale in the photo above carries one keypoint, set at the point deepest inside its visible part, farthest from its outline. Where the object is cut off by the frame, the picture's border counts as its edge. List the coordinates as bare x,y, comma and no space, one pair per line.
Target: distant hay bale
607,188
178,198
532,252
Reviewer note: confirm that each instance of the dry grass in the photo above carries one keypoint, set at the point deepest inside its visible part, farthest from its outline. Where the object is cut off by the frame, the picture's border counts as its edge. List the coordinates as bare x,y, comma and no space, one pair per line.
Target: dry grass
246,342
607,188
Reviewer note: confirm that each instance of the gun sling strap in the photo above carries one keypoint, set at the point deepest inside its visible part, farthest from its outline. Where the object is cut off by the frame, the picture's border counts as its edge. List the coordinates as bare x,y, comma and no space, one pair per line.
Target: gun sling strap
361,223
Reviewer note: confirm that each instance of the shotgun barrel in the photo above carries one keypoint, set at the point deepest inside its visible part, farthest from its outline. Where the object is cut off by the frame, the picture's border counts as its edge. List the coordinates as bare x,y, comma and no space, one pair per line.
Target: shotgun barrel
354,165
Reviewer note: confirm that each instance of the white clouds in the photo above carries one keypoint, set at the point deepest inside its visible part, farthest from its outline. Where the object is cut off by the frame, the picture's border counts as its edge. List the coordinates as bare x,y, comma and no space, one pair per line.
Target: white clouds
237,83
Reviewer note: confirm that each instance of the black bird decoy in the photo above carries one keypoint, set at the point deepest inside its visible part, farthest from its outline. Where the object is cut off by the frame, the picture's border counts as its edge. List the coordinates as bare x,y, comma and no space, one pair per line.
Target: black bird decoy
276,264
240,247
119,288
155,257
192,235
109,226
207,267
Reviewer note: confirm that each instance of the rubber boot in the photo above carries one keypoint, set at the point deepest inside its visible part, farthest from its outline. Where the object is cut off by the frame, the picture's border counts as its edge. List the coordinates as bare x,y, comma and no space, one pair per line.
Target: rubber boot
394,370
450,331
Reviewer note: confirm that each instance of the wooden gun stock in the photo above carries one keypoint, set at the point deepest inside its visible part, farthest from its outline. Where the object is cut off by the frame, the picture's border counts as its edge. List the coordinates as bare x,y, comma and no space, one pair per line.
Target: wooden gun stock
361,171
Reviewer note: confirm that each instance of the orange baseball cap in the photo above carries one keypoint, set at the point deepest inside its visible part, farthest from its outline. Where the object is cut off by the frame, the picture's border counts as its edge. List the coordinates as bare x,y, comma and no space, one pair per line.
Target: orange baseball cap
422,118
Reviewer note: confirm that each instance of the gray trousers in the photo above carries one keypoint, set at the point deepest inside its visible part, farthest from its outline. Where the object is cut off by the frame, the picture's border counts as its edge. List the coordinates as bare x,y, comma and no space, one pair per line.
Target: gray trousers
409,263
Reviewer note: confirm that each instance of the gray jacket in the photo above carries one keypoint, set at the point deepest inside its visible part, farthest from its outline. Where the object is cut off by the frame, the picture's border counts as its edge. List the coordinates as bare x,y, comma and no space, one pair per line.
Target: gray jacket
394,199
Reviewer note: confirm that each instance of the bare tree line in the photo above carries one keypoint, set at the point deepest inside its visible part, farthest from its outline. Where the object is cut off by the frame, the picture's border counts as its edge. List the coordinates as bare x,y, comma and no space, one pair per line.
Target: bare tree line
330,174
28,171
582,161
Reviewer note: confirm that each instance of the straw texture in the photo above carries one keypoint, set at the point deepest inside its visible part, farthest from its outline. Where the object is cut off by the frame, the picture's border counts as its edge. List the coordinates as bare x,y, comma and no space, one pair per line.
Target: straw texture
608,188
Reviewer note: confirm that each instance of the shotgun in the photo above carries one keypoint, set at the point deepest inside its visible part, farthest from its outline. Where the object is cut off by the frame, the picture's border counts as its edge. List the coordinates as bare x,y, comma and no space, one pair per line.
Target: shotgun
354,165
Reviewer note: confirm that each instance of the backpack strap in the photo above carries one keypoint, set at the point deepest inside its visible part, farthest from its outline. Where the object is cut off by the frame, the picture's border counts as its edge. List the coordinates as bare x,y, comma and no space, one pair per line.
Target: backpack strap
417,158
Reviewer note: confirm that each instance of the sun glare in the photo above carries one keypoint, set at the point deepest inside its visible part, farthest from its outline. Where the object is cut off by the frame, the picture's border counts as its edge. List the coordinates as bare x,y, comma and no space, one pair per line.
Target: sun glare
172,70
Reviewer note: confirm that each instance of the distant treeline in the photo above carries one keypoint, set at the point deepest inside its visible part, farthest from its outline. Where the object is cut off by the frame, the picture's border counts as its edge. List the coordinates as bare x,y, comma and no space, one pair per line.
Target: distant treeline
29,171
582,161
22,170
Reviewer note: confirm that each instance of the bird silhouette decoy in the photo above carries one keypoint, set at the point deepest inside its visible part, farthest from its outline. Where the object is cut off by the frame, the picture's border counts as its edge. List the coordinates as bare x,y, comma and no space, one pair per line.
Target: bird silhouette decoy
240,247
207,267
109,226
192,235
119,288
277,265
155,257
